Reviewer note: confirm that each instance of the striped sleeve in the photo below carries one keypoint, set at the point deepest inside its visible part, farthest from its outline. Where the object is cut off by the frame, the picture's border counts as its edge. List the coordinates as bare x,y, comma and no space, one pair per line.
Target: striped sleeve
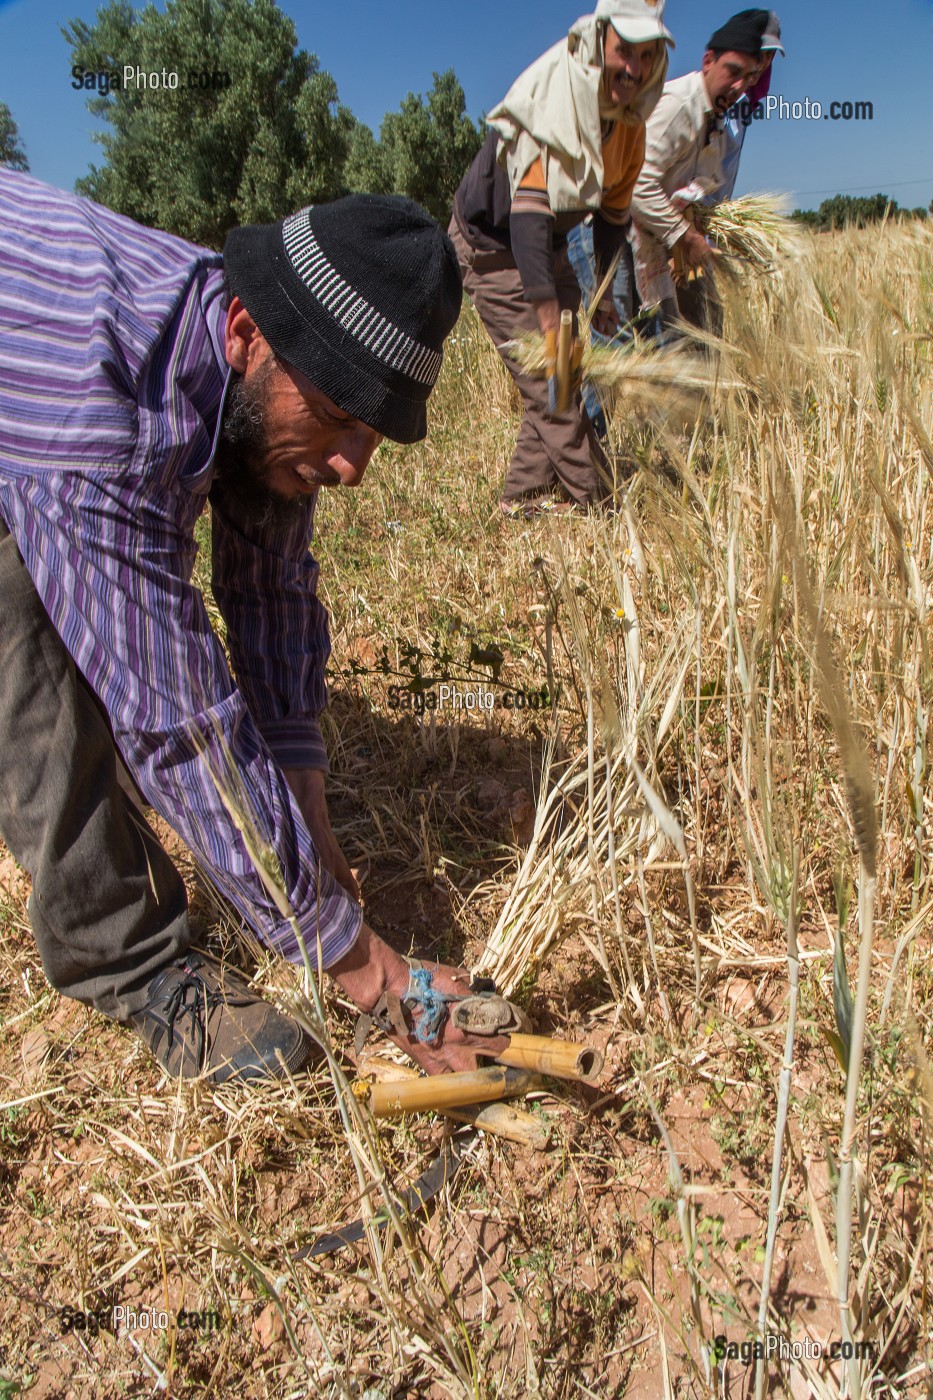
141,636
531,233
265,584
531,197
111,379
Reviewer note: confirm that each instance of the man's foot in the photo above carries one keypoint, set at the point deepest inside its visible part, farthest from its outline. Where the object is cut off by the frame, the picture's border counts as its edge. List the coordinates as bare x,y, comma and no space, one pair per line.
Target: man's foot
198,1022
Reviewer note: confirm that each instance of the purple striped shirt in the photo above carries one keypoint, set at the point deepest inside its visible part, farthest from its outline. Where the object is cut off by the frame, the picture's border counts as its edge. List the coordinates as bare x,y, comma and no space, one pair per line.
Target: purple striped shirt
112,376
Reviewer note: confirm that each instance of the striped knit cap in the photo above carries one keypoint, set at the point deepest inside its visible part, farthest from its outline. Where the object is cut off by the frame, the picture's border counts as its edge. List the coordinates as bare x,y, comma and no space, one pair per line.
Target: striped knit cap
358,295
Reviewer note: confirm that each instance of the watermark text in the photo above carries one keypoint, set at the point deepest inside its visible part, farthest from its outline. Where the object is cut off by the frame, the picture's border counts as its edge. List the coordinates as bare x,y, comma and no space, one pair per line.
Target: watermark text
132,78
118,1318
806,111
475,699
775,1348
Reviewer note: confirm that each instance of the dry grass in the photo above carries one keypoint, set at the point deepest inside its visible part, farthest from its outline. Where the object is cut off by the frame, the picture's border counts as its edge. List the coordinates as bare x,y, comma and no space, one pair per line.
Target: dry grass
732,788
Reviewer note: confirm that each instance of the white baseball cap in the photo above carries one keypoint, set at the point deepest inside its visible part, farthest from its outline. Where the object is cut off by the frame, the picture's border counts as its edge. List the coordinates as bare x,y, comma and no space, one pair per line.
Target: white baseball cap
638,21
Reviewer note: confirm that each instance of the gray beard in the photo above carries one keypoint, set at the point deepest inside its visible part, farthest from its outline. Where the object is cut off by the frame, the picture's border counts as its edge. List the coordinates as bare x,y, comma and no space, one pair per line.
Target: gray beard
240,469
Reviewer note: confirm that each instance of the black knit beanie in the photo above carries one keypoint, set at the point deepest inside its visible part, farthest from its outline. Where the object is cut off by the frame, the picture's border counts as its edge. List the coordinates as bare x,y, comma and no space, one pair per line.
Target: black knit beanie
742,33
358,295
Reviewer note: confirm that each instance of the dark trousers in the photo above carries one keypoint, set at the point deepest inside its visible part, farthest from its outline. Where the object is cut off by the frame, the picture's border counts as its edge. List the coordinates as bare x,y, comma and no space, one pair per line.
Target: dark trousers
550,450
108,908
699,305
583,261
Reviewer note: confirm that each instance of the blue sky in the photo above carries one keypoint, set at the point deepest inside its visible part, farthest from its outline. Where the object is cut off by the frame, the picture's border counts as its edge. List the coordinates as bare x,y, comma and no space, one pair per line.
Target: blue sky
378,52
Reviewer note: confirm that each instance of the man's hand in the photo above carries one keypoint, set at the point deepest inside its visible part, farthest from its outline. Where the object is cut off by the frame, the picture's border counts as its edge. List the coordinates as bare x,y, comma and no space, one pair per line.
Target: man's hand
307,784
548,314
606,319
371,968
453,1049
694,249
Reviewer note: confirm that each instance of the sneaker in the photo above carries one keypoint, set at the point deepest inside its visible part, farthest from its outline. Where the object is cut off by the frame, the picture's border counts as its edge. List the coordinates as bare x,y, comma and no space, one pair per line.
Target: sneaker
199,1022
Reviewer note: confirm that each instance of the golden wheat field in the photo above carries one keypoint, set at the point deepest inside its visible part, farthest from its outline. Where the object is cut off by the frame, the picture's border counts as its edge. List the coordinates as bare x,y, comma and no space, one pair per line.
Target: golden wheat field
695,827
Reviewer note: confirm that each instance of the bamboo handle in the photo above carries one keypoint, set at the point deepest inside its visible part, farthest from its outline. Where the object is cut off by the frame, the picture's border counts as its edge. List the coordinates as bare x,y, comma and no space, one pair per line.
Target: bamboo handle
683,273
550,354
529,1130
564,343
443,1091
565,1059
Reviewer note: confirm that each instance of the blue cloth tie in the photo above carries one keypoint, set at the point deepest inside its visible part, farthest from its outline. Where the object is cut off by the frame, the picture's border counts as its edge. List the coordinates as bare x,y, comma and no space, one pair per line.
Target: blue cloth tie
433,1005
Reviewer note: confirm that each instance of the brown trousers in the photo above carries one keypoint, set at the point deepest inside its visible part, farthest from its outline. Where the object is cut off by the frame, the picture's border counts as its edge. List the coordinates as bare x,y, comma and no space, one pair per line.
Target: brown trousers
563,449
108,909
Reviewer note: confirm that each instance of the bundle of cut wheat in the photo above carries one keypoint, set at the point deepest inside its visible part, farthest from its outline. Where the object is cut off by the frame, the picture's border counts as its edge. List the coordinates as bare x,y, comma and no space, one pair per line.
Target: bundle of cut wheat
755,228
634,367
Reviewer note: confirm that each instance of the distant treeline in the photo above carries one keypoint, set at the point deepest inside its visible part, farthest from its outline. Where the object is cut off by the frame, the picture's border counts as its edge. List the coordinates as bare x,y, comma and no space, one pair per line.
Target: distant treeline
856,211
214,117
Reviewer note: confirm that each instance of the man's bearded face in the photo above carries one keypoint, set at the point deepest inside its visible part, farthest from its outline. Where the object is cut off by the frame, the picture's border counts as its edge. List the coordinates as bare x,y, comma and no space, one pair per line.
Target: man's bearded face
281,439
242,451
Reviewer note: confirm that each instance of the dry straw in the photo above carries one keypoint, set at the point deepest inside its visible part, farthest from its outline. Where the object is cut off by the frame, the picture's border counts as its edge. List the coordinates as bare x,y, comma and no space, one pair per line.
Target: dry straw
755,229
635,369
766,582
427,1314
789,578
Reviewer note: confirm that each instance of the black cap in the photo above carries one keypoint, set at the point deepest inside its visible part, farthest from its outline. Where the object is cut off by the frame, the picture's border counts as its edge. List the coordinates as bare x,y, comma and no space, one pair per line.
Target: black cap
742,33
358,295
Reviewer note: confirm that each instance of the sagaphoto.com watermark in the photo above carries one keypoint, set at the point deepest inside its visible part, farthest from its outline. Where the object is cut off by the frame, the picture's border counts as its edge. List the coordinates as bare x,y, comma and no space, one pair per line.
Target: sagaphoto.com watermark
777,108
132,77
772,1347
118,1318
472,698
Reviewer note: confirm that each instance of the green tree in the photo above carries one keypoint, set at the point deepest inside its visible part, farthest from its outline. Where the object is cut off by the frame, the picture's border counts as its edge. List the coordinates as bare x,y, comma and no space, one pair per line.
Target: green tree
368,169
423,150
857,210
11,152
253,130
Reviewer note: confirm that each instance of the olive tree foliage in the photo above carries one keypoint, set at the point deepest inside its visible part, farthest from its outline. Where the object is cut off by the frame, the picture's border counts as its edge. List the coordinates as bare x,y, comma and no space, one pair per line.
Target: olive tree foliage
858,211
252,131
12,154
423,151
254,128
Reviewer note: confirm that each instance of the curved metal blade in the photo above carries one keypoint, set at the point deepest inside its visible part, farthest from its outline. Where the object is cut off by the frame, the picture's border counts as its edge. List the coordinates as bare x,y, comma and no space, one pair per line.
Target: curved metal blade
429,1183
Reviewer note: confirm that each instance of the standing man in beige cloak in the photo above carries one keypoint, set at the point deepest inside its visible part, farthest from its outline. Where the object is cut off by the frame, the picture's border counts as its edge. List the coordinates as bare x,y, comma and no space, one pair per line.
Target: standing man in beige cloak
567,140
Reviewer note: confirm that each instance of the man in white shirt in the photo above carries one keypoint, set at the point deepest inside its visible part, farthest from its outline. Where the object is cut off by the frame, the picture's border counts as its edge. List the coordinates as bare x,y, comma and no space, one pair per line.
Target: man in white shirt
751,107
684,158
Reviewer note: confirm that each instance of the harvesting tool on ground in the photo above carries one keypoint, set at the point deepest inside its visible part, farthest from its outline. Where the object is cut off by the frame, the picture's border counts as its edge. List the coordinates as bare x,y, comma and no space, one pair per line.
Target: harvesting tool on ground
424,1011
476,1097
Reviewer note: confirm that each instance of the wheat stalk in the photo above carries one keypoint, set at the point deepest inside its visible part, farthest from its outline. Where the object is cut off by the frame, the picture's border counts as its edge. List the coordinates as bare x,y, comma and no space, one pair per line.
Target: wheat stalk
756,229
637,368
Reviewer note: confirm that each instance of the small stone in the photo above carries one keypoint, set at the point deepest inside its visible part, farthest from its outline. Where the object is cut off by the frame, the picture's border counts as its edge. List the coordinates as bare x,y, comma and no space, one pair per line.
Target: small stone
268,1327
522,816
34,1049
489,793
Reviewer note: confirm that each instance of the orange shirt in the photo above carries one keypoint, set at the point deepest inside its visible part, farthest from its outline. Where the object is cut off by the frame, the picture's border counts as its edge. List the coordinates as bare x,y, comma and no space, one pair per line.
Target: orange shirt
623,152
